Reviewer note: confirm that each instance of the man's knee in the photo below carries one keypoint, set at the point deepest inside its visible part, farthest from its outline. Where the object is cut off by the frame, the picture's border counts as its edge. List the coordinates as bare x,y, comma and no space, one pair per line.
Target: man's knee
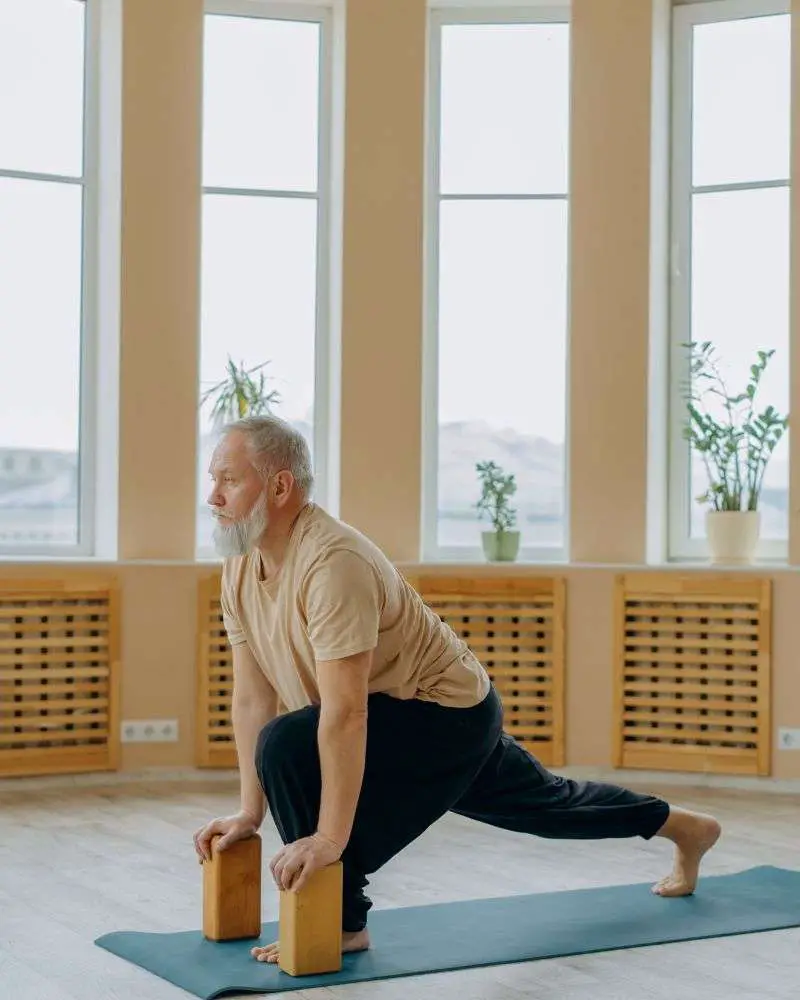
287,740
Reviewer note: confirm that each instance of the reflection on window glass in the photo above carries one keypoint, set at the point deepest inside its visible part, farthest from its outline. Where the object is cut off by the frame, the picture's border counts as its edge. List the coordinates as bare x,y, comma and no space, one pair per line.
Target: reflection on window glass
740,101
261,104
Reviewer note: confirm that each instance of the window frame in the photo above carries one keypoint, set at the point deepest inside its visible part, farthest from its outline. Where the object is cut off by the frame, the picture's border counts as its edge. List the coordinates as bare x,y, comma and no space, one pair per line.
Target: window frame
88,387
681,546
323,15
440,15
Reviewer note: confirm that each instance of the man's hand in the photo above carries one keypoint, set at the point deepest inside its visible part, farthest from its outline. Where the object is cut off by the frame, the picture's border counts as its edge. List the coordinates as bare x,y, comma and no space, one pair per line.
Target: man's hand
232,828
295,863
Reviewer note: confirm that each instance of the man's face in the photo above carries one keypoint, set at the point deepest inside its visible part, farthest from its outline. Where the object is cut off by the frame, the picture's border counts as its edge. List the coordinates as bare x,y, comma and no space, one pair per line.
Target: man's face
238,498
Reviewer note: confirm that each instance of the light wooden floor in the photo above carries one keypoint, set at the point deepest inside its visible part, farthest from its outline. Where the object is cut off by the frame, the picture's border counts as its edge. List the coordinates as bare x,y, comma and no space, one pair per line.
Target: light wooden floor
78,862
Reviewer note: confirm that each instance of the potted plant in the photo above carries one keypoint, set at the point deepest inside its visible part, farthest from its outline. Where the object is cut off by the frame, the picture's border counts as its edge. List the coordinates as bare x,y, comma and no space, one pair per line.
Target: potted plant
239,395
501,544
735,441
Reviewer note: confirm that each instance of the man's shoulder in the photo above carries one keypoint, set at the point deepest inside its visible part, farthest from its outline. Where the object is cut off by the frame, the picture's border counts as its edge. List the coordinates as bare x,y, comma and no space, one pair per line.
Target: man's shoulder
327,536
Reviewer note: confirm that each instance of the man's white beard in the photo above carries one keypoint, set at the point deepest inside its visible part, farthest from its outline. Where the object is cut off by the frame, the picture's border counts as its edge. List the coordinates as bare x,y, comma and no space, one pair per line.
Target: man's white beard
237,538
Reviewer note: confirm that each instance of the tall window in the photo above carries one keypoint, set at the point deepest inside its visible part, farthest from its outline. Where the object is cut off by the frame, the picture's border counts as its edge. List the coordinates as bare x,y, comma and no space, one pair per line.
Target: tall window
497,284
46,237
264,244
730,281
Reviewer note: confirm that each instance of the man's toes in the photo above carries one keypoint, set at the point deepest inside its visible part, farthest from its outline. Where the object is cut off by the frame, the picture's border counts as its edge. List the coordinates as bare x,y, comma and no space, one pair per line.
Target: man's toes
665,885
265,954
671,887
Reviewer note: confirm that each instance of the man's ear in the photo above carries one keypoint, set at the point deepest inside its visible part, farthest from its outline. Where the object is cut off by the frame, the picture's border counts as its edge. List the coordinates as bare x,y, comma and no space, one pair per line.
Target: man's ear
284,481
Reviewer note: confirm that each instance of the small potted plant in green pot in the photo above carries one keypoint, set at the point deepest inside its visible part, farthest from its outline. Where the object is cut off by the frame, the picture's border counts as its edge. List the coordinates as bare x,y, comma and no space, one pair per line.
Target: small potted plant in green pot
735,442
500,544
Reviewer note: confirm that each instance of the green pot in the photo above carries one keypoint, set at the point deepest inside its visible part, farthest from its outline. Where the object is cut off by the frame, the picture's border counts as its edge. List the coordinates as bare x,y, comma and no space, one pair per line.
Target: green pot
500,546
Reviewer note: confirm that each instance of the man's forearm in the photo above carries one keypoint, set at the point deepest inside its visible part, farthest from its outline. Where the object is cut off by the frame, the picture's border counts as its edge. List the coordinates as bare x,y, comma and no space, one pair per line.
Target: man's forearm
248,721
342,751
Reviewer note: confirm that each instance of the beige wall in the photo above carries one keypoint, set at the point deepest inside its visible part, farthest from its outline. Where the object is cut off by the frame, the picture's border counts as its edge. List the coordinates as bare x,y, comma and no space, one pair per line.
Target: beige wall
161,95
382,290
609,278
382,265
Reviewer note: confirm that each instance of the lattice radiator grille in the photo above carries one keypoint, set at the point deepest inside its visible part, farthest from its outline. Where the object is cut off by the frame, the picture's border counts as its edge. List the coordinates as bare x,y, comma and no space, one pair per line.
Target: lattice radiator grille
215,742
515,627
693,674
59,670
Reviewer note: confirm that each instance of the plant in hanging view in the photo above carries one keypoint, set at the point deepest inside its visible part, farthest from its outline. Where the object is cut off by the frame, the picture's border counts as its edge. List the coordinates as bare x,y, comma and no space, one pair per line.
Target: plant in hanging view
734,436
240,394
496,489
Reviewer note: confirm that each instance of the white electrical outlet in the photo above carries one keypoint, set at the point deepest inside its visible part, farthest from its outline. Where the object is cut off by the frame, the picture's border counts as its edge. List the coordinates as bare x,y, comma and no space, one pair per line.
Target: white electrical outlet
789,739
149,731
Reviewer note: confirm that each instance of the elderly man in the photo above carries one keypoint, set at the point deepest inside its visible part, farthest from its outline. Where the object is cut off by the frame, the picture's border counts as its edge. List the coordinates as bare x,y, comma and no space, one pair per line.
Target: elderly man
359,717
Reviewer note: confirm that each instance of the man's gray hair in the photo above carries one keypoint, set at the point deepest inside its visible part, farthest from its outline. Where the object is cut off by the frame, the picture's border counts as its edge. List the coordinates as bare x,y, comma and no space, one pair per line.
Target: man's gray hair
275,445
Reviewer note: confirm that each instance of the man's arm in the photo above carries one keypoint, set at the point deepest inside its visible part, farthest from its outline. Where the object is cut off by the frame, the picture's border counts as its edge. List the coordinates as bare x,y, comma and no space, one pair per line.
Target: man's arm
342,738
342,600
254,705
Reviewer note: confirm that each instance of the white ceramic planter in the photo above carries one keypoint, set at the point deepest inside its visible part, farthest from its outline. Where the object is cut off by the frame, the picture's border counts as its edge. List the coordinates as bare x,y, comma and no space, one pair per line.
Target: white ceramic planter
732,536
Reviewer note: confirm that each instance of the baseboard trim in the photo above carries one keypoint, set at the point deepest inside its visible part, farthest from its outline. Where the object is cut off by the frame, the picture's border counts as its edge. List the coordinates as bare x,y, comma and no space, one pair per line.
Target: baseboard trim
102,779
679,779
659,779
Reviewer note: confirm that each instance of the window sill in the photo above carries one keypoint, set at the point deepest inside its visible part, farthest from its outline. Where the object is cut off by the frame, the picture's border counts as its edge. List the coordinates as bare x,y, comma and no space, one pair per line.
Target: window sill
525,566
520,566
100,562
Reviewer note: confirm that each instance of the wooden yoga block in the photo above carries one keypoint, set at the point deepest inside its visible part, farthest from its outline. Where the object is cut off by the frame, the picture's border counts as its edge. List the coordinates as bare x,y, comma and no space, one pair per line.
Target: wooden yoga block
310,939
232,891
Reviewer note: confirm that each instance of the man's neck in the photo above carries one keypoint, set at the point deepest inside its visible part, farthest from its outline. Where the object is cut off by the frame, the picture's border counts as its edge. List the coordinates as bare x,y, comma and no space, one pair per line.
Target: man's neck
275,542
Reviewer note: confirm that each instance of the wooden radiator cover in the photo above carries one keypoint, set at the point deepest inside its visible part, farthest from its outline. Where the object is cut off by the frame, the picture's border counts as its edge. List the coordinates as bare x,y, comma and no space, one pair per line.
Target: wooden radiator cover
515,627
215,743
692,666
59,676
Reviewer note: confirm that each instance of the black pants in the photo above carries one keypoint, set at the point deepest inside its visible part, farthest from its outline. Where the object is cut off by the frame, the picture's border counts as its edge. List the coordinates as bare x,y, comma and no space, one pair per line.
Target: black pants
424,760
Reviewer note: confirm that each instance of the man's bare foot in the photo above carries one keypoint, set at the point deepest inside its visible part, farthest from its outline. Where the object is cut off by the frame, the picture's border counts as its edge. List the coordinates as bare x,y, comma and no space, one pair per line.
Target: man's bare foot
351,941
693,835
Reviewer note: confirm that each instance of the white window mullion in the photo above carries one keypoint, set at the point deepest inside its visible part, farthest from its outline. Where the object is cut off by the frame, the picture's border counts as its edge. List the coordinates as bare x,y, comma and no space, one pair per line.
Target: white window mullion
29,175
90,386
323,416
430,354
503,197
741,186
679,479
261,193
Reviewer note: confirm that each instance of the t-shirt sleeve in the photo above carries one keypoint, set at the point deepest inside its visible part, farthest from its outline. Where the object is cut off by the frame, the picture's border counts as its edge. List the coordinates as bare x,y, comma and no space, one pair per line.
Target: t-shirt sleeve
342,598
230,618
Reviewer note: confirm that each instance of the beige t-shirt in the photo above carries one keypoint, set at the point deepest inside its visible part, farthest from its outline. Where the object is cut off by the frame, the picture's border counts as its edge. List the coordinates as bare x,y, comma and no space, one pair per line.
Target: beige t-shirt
337,595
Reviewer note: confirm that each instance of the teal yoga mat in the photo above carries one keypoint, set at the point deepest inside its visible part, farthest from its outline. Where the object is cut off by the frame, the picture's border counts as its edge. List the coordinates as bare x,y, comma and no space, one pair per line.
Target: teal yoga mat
445,936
